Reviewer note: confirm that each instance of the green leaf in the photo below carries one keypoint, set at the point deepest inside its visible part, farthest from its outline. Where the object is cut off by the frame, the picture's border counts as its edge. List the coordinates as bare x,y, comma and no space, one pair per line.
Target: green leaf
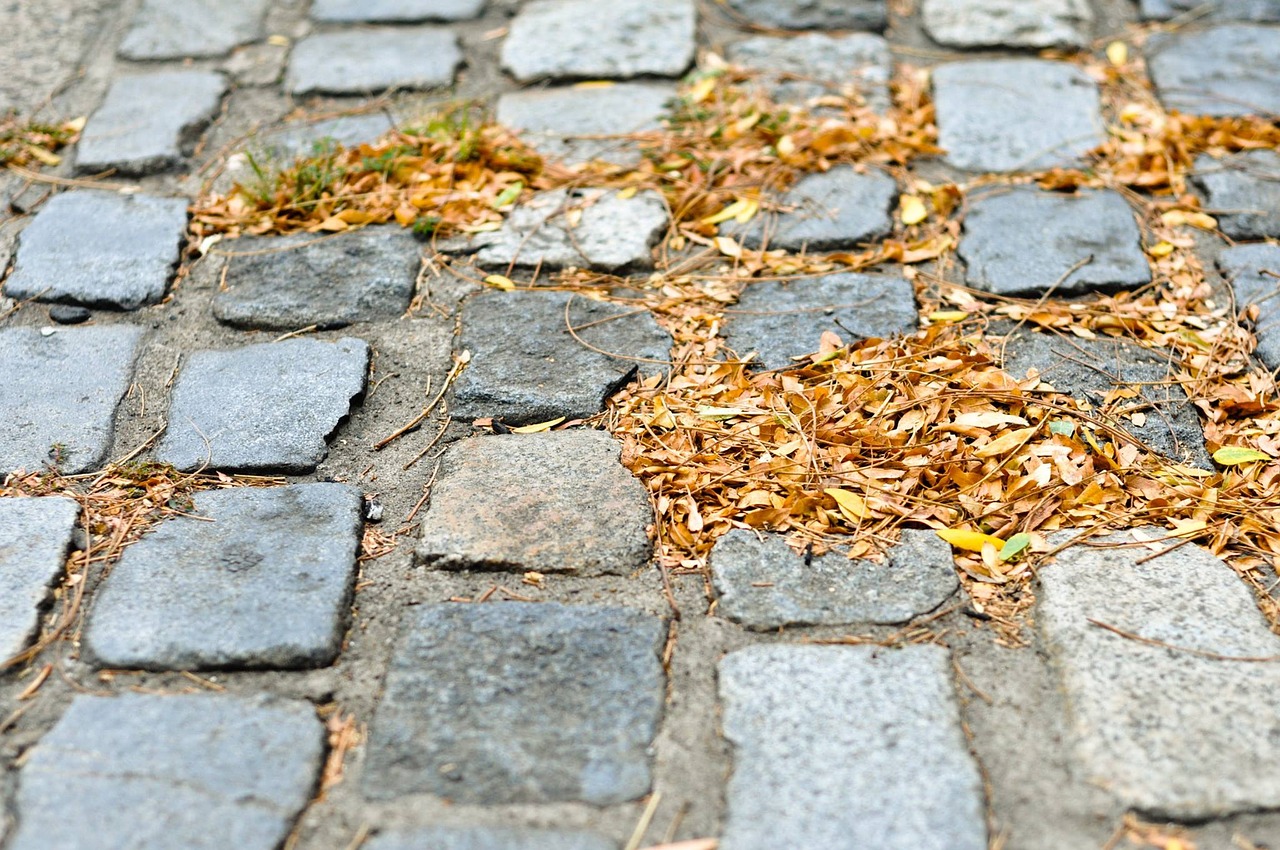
1236,455
1015,546
1062,427
508,195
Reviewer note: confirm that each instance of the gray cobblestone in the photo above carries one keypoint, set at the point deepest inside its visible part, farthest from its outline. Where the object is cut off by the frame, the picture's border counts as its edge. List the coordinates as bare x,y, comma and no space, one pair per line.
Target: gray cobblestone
815,14
1215,10
552,118
482,838
35,535
804,67
174,29
1008,23
1232,69
371,60
1243,192
394,11
840,208
1252,271
299,139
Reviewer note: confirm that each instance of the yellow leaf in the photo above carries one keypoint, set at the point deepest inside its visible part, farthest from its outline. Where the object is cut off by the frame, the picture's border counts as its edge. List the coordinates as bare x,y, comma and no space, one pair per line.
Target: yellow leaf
748,211
1236,455
278,40
702,89
333,224
970,541
948,316
627,192
729,247
1160,249
911,210
539,426
355,216
1202,221
1188,527
1006,442
592,84
503,283
43,155
853,506
707,411
987,419
1117,53
482,227
731,211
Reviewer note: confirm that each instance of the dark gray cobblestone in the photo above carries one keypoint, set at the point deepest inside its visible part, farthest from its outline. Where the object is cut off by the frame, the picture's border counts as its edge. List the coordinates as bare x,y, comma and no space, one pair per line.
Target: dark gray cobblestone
840,208
394,11
1243,192
1215,10
35,535
1254,274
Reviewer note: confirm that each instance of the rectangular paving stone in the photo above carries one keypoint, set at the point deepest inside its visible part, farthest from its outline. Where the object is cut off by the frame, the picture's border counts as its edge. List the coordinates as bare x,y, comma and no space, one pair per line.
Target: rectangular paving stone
1213,10
826,211
798,69
99,249
35,534
60,392
814,14
485,838
780,320
527,367
554,120
847,748
1008,23
154,772
291,282
285,143
519,703
1252,272
200,29
263,579
556,502
1015,114
370,60
394,11
1172,734
149,121
1232,69
270,406
1025,241
1242,191
765,584
585,39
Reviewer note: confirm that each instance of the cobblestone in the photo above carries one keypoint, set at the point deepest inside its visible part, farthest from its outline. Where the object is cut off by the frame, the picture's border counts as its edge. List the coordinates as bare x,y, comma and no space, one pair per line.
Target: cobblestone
298,139
1243,192
100,249
262,578
1247,267
553,119
35,535
176,29
394,11
443,838
1232,69
1214,10
60,392
880,726
836,209
1008,23
511,702
371,60
801,68
815,14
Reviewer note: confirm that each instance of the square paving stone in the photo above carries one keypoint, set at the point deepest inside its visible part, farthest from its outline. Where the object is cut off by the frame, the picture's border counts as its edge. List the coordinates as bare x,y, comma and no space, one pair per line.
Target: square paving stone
485,838
814,14
556,502
148,121
291,282
394,11
269,406
847,748
836,209
1089,369
585,228
262,578
1213,10
374,59
799,69
1008,23
780,320
1015,114
552,119
302,138
35,535
1243,192
1170,733
154,772
763,583
175,29
1254,274
1025,241
585,39
99,249
527,367
60,392
1226,70
510,702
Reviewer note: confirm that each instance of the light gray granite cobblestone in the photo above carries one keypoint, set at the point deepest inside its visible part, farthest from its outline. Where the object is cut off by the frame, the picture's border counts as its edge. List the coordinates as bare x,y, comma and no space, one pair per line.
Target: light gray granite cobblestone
1242,191
1233,69
826,211
199,29
362,61
798,69
1254,274
394,11
814,14
555,120
1008,23
35,534
485,838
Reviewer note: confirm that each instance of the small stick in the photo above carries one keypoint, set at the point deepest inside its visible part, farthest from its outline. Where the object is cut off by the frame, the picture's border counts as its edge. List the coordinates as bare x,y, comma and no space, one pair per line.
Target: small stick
459,364
1213,656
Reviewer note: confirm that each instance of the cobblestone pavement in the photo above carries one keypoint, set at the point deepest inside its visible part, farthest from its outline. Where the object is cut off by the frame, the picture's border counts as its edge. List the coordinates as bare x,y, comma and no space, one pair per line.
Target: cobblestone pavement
204,696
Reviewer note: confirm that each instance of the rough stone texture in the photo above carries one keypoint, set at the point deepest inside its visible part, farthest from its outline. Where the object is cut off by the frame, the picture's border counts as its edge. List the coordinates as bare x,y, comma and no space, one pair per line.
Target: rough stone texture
1008,23
1210,748
34,537
153,772
510,702
370,60
587,228
394,11
585,39
267,583
780,320
60,393
1224,70
101,249
1216,10
1243,266
294,140
148,121
836,209
845,748
551,119
1243,192
175,29
764,584
485,838
1023,241
798,69
1089,369
290,282
815,14
556,502
527,367
266,407
1015,114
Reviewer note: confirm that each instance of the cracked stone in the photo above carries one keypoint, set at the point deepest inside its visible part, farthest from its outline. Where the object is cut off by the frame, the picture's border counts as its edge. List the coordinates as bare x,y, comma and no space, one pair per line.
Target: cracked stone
801,68
1243,192
269,406
527,367
1225,70
828,211
552,119
555,502
199,29
100,249
35,534
485,838
1024,241
262,579
1252,271
1212,10
1015,114
511,702
815,14
394,11
154,772
60,392
374,59
1008,23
